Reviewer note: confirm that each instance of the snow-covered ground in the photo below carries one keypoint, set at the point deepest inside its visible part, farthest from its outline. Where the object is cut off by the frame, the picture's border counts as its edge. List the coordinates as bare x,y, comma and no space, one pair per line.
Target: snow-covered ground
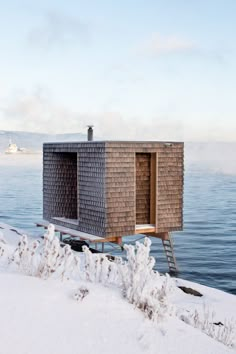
42,316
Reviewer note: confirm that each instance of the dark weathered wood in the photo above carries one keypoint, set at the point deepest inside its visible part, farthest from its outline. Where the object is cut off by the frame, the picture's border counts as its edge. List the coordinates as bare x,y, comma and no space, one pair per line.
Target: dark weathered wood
60,185
153,189
106,186
143,189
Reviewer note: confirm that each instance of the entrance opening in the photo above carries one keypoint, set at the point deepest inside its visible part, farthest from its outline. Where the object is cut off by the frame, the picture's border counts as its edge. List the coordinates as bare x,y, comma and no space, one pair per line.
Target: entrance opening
64,187
146,191
143,170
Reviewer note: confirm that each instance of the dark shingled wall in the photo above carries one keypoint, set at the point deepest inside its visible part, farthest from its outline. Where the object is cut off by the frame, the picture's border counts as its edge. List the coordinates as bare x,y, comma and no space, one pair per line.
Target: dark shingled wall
91,189
170,188
120,190
106,174
121,180
90,174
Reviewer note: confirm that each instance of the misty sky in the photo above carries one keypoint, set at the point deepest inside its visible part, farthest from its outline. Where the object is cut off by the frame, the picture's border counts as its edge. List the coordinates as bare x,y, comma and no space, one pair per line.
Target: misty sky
143,69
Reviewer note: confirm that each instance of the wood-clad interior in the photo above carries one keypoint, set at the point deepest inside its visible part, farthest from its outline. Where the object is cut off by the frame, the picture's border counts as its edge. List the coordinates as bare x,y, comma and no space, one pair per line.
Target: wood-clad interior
60,185
153,189
143,188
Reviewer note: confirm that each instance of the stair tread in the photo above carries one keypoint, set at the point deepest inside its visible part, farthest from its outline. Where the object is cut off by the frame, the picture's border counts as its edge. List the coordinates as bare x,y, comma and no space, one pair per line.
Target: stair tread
169,251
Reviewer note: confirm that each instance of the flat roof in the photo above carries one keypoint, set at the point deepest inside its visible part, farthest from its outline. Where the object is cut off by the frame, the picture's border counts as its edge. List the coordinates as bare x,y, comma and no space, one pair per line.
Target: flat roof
115,141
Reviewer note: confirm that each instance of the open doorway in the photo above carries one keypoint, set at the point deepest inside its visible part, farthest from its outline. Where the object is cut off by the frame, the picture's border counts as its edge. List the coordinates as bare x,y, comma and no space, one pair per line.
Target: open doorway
64,188
145,191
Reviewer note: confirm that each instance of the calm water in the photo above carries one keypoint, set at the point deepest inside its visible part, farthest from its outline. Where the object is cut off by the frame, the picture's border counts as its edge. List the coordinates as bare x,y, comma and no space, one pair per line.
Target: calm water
205,250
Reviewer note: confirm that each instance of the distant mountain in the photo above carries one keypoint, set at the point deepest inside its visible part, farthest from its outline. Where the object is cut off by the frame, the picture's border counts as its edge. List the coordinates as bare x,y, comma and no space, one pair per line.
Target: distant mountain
34,141
208,155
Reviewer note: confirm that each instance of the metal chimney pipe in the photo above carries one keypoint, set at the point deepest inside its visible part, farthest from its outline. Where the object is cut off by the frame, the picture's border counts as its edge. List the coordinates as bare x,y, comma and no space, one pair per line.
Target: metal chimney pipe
90,132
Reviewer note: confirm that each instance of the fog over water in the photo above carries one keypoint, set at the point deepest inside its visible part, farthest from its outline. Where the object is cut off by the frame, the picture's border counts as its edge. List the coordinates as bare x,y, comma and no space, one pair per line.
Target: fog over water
205,250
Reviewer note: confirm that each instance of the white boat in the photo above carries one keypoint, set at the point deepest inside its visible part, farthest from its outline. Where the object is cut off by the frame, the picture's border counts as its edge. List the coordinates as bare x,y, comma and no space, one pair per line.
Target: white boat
13,149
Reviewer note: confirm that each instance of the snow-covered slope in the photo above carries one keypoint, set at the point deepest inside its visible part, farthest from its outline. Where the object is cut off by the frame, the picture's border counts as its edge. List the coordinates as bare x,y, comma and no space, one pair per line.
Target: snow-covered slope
42,317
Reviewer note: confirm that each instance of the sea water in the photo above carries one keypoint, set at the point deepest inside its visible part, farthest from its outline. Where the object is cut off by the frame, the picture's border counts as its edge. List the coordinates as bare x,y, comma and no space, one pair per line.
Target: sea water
205,250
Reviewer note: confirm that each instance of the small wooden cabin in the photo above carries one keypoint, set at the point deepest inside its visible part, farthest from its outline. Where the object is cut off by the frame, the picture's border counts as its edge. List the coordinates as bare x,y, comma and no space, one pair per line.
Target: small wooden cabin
114,188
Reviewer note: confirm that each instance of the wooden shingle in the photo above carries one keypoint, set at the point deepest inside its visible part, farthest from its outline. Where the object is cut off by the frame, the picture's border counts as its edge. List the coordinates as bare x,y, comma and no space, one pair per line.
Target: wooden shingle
106,185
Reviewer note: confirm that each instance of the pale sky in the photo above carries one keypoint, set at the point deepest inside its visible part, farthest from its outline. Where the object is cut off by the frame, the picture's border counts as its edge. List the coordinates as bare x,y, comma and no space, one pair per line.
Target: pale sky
145,69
